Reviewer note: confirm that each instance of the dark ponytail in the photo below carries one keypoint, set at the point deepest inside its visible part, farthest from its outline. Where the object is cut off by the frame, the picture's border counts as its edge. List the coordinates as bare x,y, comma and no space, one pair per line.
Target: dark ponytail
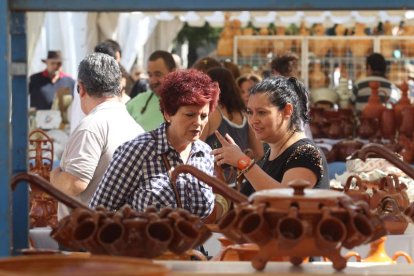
303,96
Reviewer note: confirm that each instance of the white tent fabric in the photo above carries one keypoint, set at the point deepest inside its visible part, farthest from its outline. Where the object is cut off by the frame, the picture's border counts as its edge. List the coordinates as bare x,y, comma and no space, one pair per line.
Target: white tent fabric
76,33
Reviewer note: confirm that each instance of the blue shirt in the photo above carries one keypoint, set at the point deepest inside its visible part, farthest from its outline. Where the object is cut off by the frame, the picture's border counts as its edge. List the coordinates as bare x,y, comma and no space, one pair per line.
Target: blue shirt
137,176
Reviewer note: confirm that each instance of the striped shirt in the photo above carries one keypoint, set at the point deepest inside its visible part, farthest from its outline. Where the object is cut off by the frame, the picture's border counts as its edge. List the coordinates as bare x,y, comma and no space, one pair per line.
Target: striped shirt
362,91
137,176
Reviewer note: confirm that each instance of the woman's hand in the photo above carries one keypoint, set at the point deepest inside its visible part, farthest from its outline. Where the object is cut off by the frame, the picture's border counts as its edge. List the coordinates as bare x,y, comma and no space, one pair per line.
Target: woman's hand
229,153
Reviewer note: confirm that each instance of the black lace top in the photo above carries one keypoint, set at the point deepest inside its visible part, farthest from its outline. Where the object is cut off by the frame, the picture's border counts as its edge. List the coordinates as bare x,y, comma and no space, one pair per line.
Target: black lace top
304,153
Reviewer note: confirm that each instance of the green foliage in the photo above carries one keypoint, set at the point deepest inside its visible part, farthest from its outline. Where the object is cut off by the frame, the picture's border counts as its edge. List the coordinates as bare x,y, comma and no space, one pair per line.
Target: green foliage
198,36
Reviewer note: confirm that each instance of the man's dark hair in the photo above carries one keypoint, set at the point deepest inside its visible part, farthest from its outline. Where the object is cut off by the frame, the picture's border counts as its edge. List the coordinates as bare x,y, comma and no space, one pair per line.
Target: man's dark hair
166,57
115,45
105,48
285,64
377,63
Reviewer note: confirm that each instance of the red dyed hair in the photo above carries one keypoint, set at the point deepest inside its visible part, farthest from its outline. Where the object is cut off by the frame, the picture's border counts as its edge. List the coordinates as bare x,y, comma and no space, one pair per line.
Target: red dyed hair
187,87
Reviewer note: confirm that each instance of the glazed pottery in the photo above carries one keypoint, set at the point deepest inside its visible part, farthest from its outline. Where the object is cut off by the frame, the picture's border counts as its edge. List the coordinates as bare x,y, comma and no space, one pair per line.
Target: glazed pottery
377,253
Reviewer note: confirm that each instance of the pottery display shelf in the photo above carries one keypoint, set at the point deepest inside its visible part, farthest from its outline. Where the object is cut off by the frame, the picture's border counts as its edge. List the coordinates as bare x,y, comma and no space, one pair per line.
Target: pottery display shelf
187,268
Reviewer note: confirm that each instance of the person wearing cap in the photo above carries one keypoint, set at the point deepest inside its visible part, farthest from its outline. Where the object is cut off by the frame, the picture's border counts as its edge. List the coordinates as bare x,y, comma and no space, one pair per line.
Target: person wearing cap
44,85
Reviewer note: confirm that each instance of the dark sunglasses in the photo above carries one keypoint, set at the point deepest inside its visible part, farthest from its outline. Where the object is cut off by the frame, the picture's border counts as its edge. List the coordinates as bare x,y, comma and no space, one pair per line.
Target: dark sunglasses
77,88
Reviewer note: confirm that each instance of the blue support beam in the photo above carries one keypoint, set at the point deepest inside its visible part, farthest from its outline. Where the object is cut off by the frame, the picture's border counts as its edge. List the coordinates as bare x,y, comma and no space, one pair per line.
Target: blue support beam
207,5
19,128
5,133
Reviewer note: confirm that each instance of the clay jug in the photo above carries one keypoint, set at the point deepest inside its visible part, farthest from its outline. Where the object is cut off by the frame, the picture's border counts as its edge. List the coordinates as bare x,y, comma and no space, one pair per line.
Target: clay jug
318,46
407,126
367,127
377,253
360,47
374,107
247,46
388,124
340,45
402,103
317,78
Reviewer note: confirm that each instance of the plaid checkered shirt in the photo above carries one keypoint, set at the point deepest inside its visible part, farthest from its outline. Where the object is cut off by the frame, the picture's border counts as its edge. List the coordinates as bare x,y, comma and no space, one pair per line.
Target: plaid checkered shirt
137,176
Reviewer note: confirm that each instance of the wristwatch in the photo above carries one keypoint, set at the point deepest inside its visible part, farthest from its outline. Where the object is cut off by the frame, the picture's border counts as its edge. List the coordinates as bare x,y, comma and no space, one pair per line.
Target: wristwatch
243,163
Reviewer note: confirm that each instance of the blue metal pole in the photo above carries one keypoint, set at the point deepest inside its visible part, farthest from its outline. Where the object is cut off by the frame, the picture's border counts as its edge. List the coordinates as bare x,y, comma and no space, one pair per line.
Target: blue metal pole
5,133
19,128
210,5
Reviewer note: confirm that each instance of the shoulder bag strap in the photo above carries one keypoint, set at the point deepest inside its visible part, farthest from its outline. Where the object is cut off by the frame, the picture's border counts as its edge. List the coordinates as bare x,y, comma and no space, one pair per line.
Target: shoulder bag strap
168,168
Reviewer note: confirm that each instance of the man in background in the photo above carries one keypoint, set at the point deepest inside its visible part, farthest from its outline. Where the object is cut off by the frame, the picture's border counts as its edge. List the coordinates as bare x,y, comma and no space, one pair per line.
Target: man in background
106,126
376,69
145,107
44,85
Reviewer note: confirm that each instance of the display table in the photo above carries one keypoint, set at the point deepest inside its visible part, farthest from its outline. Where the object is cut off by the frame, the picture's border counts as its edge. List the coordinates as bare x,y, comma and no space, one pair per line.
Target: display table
181,268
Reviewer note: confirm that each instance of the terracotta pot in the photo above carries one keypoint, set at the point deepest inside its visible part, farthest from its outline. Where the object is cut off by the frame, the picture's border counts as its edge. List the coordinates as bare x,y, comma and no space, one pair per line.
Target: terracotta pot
395,221
407,127
374,107
356,194
299,222
344,148
368,127
317,78
388,124
402,103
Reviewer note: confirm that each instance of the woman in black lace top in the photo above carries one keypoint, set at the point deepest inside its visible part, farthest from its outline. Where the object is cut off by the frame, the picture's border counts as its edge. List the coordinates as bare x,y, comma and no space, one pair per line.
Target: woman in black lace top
277,110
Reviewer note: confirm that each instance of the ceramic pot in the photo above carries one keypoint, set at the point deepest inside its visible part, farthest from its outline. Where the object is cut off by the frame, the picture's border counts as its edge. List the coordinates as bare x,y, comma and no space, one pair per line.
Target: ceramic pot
388,124
402,103
395,221
368,127
374,107
317,78
407,127
300,222
356,194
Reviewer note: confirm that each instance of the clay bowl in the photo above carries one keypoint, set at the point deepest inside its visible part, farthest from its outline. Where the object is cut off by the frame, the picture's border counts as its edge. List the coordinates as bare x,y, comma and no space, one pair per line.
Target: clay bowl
79,265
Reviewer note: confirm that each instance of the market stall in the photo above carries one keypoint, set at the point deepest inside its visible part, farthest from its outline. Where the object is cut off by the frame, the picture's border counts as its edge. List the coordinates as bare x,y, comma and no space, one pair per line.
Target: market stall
15,162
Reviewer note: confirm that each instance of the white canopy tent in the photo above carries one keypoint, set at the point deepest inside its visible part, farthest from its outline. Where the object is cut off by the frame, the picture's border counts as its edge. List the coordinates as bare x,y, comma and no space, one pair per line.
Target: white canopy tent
140,33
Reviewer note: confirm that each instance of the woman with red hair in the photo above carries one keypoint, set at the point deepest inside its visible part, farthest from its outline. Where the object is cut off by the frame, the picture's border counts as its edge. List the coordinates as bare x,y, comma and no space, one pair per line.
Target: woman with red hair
138,174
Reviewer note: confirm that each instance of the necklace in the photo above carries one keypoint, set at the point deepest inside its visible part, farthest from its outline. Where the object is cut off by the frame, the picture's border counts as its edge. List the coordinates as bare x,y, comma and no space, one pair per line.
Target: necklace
144,108
281,147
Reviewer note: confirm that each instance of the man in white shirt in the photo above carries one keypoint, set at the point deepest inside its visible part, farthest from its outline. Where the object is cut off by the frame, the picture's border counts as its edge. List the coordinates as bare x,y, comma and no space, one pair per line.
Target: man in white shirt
106,126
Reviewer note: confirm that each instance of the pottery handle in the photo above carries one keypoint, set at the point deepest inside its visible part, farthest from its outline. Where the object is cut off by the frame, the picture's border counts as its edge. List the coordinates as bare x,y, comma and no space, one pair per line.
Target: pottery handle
218,185
45,186
353,254
402,254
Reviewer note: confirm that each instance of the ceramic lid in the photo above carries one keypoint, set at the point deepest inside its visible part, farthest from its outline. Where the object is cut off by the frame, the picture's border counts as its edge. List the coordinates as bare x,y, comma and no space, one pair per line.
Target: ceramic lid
298,191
